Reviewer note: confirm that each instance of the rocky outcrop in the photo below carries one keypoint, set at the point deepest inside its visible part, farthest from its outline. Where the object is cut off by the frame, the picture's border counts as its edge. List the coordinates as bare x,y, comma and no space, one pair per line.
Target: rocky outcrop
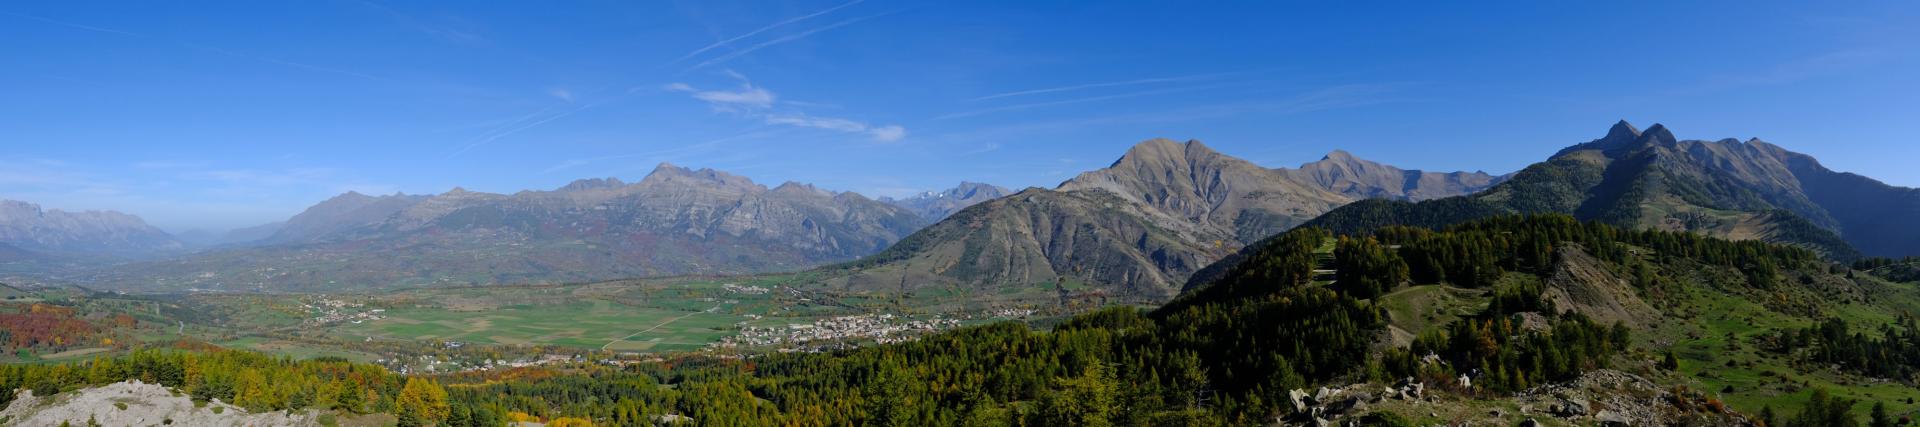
133,403
1583,284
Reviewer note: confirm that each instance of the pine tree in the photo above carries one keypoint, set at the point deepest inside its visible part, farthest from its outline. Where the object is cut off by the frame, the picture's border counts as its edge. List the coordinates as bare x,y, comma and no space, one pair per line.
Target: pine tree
1879,417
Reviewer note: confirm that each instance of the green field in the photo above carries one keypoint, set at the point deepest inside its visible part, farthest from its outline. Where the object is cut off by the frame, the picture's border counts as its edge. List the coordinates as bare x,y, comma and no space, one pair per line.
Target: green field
586,324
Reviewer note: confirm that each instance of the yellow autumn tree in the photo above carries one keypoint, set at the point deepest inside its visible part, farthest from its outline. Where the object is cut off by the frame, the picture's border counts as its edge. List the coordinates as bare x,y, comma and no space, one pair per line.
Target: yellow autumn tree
570,422
424,399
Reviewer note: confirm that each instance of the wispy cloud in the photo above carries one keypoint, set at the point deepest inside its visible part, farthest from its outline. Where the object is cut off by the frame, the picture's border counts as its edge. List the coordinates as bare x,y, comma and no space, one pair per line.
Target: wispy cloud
1137,82
530,121
778,24
783,39
888,133
747,96
757,102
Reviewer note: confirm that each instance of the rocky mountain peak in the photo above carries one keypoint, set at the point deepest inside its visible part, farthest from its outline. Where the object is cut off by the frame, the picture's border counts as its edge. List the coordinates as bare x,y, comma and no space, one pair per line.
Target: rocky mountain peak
1622,132
935,205
791,187
670,174
1658,134
1339,156
592,184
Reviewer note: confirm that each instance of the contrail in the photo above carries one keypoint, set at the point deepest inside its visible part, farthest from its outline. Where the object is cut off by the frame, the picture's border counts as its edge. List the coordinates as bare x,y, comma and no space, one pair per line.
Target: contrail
783,22
788,38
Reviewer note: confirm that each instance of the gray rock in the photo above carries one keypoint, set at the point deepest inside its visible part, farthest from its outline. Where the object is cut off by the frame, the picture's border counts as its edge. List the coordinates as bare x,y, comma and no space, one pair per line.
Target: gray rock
1612,419
1570,407
1298,399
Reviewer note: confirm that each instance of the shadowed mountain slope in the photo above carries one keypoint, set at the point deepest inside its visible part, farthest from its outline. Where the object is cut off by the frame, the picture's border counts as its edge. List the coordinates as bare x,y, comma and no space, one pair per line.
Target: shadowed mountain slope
1725,188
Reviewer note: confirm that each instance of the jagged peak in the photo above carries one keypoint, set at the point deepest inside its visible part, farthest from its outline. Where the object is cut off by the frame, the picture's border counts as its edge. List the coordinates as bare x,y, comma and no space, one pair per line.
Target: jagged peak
801,188
1622,135
668,172
1338,154
1162,149
1623,131
1658,133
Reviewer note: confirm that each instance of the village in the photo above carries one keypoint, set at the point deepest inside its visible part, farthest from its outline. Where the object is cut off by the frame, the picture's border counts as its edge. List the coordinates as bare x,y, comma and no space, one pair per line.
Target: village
835,332
330,311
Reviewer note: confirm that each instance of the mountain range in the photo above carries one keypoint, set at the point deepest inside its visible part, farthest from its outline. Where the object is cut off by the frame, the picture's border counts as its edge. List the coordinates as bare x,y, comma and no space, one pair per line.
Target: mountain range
1143,226
675,221
935,206
1726,188
1138,227
26,227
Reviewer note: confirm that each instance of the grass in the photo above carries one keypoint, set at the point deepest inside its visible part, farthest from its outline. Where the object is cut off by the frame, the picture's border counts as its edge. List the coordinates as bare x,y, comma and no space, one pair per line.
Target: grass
585,324
1715,334
1416,309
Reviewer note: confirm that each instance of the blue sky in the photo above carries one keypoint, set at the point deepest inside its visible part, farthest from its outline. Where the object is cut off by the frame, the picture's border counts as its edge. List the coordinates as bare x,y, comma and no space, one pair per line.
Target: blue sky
219,115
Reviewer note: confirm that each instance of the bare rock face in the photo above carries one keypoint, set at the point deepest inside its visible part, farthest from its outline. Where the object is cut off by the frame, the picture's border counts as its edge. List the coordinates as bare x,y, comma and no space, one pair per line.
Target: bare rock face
133,403
1581,283
27,226
1613,398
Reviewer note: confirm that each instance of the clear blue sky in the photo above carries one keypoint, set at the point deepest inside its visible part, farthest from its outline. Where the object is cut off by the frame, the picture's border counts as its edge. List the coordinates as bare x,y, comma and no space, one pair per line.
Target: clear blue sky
232,114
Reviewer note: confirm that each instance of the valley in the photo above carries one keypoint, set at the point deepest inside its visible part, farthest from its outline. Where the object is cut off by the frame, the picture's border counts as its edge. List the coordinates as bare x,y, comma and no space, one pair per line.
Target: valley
1178,262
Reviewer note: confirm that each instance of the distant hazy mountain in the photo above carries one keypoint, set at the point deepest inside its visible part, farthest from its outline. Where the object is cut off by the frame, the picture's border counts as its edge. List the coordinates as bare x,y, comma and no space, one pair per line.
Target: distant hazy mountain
201,239
934,206
340,213
1726,188
675,221
248,235
26,226
1342,172
1140,226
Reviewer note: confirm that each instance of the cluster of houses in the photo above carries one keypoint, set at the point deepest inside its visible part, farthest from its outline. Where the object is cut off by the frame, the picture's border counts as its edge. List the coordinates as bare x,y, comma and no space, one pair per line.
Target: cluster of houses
835,332
748,290
330,311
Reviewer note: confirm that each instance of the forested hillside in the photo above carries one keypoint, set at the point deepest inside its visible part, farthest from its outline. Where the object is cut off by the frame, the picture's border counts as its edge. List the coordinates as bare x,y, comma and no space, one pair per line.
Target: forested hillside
1305,309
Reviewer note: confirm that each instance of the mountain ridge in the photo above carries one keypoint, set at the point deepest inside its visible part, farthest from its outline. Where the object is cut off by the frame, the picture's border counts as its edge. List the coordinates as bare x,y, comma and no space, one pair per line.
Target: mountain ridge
1728,188
29,227
674,221
1139,227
